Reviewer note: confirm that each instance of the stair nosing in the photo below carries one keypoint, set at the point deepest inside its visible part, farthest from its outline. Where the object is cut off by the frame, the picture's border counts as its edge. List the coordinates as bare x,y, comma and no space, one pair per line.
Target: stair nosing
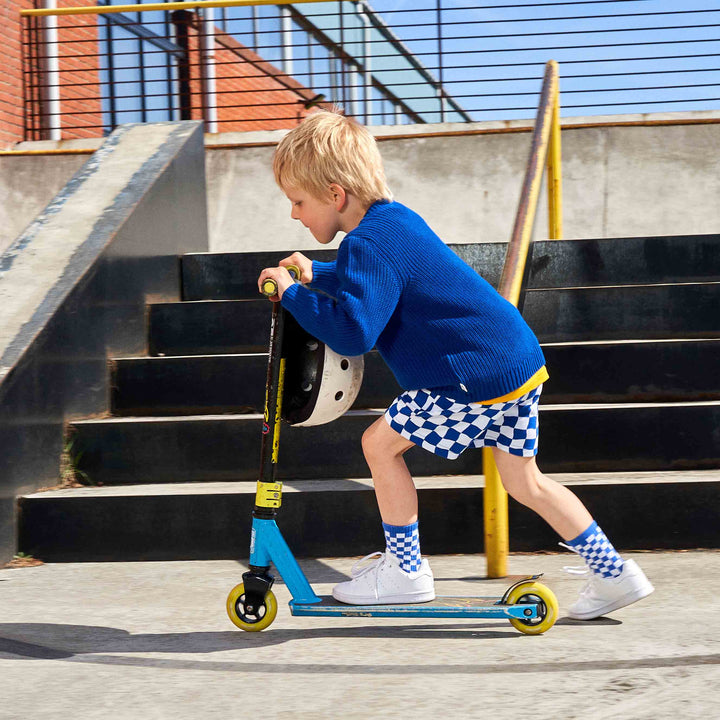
187,357
376,412
365,484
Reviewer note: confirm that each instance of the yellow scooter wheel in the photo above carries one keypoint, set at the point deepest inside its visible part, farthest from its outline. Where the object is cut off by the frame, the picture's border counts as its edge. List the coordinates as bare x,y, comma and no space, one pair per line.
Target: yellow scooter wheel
248,618
534,592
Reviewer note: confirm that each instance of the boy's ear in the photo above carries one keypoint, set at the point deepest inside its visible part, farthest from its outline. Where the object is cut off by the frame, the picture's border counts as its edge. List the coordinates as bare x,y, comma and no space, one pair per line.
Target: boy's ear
338,196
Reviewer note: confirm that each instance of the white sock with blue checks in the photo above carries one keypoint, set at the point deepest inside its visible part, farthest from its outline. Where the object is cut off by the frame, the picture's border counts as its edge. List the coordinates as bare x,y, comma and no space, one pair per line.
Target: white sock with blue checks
598,552
403,541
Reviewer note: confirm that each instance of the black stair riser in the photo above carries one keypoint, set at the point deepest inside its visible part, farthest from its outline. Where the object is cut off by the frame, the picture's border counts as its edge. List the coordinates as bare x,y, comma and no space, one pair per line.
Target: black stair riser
673,515
554,263
232,276
625,261
218,384
643,372
581,440
189,385
204,328
633,372
631,313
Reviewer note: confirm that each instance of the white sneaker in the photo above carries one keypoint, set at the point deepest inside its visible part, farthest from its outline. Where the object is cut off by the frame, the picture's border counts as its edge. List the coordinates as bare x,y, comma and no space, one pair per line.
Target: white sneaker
382,581
603,595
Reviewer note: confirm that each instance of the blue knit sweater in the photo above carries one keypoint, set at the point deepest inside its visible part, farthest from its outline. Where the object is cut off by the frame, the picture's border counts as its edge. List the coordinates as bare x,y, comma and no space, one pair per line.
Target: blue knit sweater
396,286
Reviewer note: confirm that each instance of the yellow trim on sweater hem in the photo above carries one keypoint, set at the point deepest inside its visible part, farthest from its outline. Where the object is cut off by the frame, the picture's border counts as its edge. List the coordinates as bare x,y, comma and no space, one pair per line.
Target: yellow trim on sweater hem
537,379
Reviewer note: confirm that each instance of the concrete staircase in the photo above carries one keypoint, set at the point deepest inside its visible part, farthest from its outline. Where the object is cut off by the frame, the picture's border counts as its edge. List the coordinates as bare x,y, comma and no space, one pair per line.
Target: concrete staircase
630,418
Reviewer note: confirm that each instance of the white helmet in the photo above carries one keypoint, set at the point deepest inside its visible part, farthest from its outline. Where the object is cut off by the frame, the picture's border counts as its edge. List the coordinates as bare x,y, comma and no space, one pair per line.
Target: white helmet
320,384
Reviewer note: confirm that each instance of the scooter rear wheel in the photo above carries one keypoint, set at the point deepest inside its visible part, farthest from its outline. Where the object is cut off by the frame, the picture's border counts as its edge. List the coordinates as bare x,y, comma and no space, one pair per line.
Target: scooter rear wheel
548,611
250,619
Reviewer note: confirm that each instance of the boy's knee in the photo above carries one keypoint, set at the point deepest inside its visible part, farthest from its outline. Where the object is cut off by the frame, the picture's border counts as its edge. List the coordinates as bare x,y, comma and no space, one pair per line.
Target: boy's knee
520,477
372,439
380,440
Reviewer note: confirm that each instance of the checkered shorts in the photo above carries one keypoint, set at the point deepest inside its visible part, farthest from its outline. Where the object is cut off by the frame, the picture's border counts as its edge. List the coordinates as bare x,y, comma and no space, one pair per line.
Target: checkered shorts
448,428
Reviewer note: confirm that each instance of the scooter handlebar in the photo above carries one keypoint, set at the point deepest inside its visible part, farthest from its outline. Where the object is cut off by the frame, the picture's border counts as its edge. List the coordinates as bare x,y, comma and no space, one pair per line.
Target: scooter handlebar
270,286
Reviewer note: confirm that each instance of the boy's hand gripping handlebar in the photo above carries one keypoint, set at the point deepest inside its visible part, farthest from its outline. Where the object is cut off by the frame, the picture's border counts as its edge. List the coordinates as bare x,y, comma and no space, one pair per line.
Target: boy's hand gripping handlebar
270,286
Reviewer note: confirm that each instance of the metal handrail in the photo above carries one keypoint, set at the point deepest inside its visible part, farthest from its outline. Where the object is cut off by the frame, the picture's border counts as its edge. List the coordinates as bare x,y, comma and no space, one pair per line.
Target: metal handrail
145,7
544,152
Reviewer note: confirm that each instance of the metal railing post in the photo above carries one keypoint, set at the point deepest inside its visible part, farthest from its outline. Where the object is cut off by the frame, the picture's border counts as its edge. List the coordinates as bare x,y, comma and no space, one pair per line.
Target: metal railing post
50,113
181,19
495,512
286,34
207,66
554,176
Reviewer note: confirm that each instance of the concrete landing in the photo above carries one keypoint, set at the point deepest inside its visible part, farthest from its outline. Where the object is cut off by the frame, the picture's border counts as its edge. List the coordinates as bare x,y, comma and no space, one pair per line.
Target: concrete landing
152,640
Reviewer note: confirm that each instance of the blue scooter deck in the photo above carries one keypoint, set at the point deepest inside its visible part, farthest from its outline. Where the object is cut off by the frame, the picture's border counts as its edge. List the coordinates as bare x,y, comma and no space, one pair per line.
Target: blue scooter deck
446,607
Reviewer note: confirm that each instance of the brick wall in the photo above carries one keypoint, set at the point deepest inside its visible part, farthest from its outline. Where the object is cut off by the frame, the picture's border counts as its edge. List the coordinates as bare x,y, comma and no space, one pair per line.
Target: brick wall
11,94
252,94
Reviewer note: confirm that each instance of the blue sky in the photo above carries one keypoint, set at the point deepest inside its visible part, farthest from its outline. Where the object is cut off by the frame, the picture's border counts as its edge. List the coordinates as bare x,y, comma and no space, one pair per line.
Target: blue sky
616,56
602,70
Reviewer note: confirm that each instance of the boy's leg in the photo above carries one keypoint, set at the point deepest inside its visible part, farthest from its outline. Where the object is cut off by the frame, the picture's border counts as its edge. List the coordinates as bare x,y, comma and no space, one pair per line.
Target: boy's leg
557,505
613,583
400,575
383,449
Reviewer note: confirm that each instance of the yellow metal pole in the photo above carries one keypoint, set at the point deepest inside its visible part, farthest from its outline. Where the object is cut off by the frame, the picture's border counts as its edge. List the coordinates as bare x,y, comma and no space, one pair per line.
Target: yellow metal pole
554,177
495,508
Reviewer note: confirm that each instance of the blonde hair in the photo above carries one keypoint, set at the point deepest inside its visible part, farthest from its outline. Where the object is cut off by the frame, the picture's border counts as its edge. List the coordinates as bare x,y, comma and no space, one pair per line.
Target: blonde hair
325,148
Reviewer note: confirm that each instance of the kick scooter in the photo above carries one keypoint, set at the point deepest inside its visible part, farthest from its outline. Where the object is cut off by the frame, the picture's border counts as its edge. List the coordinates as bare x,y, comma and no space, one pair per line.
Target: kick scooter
529,606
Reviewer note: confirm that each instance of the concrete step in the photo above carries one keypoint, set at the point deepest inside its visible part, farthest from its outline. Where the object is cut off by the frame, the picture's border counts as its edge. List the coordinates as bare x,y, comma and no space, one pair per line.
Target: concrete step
586,372
638,511
566,315
555,263
575,438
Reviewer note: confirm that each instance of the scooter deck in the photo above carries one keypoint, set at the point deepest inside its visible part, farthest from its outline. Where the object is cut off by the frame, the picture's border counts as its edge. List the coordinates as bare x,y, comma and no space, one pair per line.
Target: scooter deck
441,607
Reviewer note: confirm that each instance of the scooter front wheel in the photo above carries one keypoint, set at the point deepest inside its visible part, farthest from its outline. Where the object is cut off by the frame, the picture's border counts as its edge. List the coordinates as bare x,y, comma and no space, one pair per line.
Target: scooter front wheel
250,618
547,604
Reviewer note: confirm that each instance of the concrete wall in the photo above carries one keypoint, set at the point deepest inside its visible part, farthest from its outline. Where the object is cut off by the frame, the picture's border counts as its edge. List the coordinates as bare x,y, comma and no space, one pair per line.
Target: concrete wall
74,288
27,185
618,181
623,175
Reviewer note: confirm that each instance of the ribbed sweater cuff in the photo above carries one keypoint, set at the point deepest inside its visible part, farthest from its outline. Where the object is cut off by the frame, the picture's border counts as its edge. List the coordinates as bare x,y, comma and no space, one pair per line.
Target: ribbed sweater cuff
289,295
324,276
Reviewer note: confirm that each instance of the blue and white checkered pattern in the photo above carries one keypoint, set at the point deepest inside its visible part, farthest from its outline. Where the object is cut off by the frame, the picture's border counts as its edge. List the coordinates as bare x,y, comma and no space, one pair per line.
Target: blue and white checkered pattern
448,428
598,552
404,543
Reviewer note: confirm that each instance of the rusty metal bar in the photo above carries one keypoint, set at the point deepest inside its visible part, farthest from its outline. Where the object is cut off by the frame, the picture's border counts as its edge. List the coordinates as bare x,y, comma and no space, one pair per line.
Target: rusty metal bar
511,279
497,535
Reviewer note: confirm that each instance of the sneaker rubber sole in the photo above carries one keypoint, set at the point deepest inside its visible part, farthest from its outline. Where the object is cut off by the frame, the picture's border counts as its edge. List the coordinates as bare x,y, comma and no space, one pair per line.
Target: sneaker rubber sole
388,600
621,602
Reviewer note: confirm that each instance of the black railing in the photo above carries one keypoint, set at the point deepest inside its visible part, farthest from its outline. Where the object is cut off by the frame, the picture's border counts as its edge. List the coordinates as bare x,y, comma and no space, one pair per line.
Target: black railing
258,67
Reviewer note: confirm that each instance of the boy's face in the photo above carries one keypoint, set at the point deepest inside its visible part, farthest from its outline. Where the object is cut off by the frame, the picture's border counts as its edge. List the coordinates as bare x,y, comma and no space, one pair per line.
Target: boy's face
320,217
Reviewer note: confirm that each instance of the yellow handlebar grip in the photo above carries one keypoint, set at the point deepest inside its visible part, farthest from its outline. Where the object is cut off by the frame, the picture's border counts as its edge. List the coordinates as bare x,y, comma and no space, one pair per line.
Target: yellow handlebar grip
270,287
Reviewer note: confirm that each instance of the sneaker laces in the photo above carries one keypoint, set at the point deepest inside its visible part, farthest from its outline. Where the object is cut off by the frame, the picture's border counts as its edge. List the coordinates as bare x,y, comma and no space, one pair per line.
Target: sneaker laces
574,569
366,564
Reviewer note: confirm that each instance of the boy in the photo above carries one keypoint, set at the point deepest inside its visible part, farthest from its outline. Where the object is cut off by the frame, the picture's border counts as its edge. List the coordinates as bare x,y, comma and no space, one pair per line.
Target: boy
471,367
